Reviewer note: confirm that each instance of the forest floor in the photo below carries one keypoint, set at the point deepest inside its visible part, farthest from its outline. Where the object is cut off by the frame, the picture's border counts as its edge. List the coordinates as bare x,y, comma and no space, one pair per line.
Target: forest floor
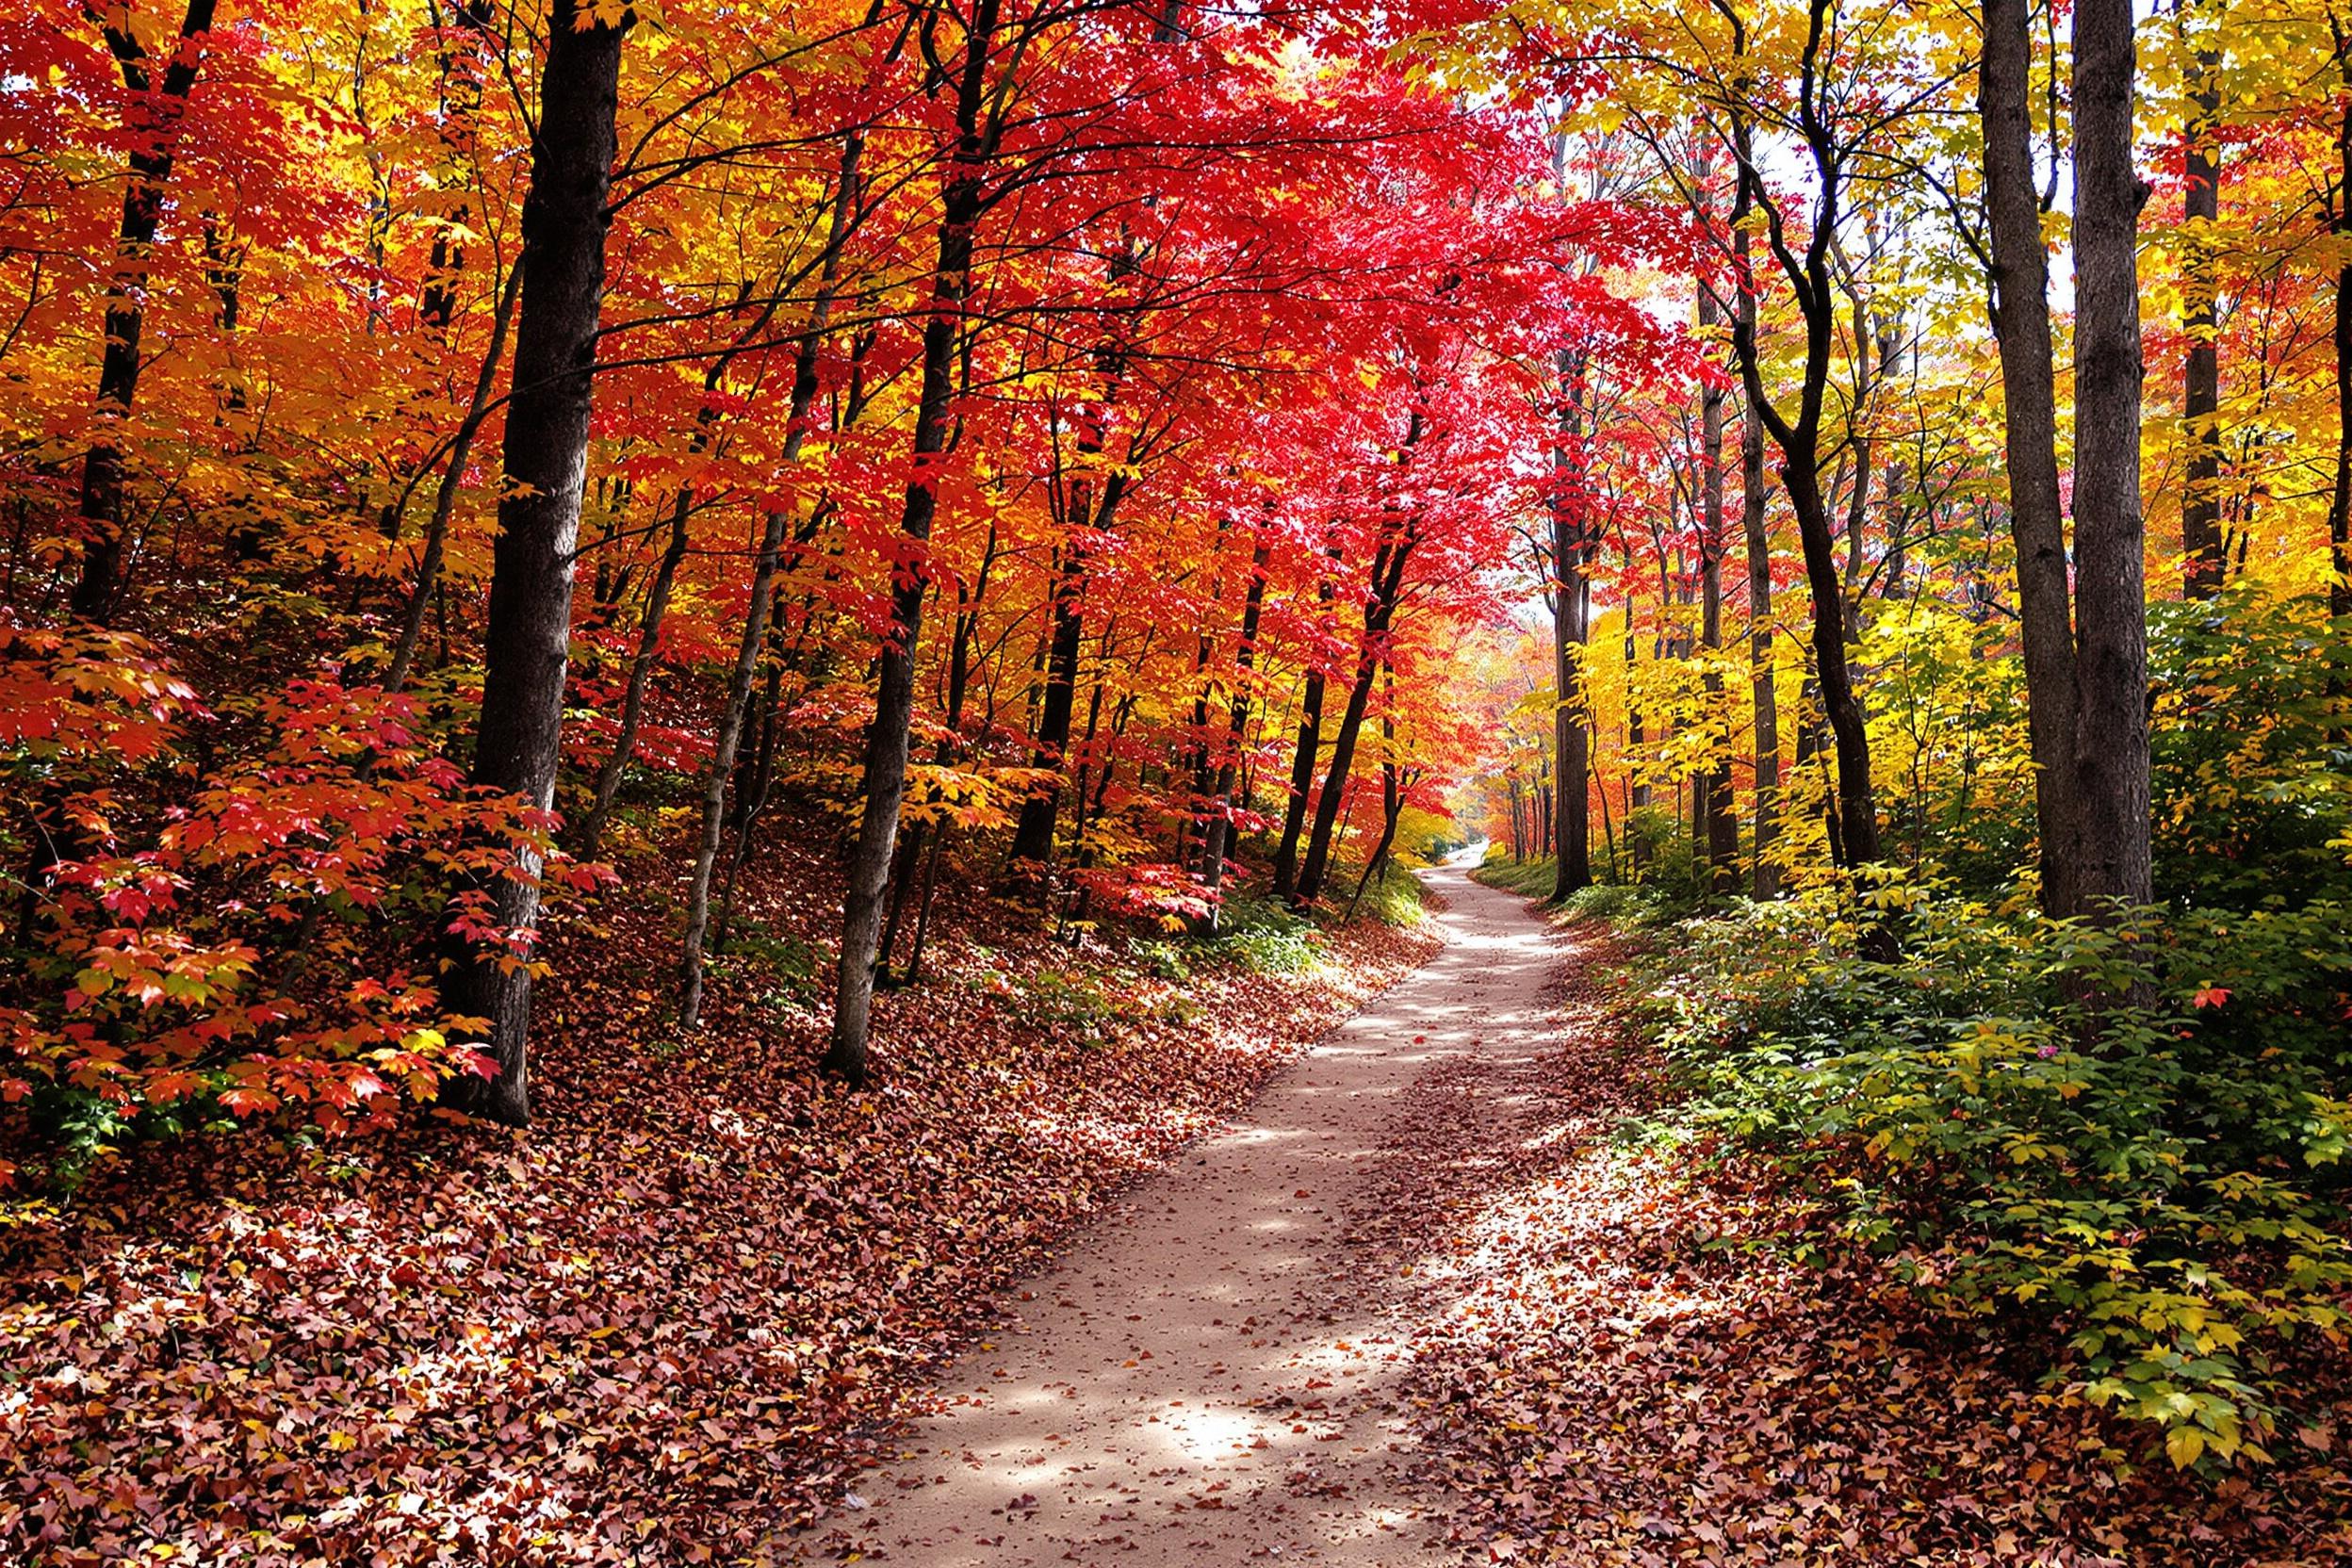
677,1319
1436,1298
1621,1356
1431,1296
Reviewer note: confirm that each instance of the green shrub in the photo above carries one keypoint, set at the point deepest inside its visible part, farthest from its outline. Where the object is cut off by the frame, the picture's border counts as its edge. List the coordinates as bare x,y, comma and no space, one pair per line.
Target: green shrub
1162,960
1528,878
2253,775
1617,902
1264,937
1078,1005
1271,951
1624,903
782,969
1393,898
2161,1184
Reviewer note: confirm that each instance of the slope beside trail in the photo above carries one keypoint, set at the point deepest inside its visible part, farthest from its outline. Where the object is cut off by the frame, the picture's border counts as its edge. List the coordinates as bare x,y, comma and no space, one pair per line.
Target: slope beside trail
1212,1374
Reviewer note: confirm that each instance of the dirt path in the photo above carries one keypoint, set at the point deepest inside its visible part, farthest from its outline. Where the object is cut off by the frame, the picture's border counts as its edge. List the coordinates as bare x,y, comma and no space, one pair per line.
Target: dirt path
1210,1377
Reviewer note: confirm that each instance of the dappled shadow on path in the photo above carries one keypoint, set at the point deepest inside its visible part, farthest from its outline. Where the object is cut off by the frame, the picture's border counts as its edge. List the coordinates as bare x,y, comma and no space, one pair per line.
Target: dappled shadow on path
1214,1374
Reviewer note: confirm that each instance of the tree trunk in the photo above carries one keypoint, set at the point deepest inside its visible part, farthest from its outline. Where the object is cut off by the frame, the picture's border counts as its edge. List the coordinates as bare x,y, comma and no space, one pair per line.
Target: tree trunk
1033,837
1719,838
2111,740
452,480
2202,541
1333,796
462,73
1388,575
1855,840
753,790
641,662
967,626
2020,290
1858,801
923,909
1764,692
1637,732
1303,762
1218,834
517,742
1609,832
156,134
1569,825
767,561
885,771
2339,501
1192,823
1393,789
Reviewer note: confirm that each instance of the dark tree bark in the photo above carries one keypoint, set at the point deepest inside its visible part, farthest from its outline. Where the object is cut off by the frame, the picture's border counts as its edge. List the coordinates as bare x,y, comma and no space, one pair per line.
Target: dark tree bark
2021,293
885,770
526,645
1713,806
1302,762
2202,544
1032,836
644,657
1799,438
1762,680
923,911
1812,746
461,64
1569,825
1334,792
2339,501
452,480
1304,755
607,788
1379,609
1637,723
1393,784
767,558
156,120
756,785
1217,835
2111,740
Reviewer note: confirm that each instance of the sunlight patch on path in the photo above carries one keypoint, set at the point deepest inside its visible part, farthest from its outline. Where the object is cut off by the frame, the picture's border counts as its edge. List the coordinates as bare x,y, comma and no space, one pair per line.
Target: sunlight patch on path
1210,1376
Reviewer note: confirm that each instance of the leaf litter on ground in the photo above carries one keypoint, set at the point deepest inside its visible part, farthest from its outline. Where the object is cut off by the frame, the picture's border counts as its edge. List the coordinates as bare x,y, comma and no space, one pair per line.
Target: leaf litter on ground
670,1323
1620,1364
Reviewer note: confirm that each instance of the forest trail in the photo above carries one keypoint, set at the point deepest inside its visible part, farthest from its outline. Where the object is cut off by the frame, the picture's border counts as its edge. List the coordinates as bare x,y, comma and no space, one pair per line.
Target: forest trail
1210,1376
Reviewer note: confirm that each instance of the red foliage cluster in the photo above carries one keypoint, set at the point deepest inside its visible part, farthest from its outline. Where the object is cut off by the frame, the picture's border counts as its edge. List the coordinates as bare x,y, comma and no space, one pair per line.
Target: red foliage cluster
196,960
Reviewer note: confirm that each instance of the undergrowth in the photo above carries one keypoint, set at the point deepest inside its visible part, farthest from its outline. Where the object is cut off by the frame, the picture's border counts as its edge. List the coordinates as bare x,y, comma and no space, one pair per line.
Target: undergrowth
2159,1184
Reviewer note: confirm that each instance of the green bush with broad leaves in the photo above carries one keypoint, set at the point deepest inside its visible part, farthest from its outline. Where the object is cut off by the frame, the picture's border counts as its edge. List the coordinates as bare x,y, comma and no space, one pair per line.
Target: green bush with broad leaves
2161,1180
